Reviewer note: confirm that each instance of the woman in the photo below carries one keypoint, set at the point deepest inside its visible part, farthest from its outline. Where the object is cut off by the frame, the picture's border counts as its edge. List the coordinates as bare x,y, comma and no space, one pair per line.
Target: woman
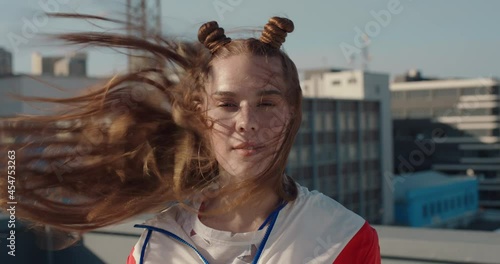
215,143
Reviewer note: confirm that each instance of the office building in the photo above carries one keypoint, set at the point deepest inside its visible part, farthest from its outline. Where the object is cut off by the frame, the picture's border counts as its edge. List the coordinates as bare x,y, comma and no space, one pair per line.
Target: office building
449,125
344,143
74,64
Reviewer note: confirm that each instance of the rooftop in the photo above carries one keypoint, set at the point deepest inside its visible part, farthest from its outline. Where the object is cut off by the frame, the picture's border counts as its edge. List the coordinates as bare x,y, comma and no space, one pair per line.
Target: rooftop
424,245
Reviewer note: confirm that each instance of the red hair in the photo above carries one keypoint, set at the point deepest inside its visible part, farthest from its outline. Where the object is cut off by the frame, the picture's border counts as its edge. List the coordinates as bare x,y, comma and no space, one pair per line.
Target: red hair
137,142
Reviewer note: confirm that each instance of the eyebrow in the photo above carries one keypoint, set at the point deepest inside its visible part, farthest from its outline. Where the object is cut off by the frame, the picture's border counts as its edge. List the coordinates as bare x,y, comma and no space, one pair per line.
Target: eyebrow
259,93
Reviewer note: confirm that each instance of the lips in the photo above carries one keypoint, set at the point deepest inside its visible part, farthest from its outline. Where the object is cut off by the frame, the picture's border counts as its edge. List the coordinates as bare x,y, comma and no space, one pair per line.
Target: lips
247,148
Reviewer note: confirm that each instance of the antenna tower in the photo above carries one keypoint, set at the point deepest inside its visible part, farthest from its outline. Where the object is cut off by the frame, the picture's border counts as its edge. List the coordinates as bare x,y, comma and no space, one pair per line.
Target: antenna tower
143,21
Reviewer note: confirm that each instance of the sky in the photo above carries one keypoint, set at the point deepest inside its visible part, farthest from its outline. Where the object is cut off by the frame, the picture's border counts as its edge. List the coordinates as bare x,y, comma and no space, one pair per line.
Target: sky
441,38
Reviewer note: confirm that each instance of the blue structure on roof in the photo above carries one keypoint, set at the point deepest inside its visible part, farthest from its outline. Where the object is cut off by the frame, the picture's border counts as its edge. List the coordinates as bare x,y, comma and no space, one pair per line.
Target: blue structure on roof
433,199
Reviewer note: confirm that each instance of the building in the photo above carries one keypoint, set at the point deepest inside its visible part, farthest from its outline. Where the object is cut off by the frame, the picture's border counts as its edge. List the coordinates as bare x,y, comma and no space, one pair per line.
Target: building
5,62
449,125
74,64
338,150
433,199
42,86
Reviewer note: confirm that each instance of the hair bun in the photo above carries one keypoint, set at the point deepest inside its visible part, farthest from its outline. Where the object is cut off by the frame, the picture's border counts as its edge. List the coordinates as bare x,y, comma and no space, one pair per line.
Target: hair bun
275,31
212,36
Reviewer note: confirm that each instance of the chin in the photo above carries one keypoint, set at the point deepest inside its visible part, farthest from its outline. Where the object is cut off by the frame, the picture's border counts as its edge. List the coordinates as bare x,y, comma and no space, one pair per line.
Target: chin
245,171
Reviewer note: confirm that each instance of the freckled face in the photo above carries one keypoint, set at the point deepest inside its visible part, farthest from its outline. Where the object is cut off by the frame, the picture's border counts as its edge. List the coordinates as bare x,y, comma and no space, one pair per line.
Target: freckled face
247,105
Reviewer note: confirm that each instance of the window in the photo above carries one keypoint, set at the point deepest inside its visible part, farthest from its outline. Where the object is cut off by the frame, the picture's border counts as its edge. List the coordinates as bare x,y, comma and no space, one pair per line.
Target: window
373,152
318,122
318,155
329,121
352,80
305,125
364,118
326,106
292,157
352,121
330,138
445,93
398,95
336,82
352,152
419,95
476,91
373,121
364,180
330,153
439,112
419,113
425,213
477,112
344,151
305,155
343,121
478,133
306,138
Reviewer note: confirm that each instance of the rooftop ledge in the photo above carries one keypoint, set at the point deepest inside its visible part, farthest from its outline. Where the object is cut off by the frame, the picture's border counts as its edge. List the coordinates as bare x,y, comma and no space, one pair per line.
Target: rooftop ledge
436,245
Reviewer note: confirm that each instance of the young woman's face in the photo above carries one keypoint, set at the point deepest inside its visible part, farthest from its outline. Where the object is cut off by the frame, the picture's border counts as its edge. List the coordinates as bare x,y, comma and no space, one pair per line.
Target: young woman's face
247,105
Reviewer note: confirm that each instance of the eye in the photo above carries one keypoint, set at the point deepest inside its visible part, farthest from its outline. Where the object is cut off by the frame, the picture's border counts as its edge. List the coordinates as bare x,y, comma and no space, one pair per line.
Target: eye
267,104
227,105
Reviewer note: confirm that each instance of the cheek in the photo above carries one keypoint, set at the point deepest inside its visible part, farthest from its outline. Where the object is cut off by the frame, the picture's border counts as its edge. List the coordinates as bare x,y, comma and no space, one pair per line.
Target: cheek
275,119
272,129
219,137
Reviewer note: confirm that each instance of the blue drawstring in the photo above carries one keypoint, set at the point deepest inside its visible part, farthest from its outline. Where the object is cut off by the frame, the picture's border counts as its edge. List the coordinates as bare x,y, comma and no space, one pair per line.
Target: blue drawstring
143,250
174,236
271,219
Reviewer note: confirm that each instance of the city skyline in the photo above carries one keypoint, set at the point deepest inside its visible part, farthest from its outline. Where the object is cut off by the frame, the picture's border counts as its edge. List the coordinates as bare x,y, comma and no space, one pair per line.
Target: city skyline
439,39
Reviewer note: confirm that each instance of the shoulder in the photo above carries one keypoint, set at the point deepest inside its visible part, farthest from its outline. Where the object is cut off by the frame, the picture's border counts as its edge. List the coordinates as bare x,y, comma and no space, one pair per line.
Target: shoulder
318,228
362,248
314,203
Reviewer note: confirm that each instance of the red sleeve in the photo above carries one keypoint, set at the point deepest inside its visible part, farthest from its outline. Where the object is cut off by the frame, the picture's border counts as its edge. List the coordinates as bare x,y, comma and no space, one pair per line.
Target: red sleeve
131,259
362,249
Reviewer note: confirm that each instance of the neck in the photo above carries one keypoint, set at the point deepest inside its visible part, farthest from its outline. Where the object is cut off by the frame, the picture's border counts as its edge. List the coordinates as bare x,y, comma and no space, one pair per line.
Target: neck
246,217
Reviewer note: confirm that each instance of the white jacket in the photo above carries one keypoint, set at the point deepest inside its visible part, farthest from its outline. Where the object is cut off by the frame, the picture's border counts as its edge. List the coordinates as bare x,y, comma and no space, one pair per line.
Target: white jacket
312,229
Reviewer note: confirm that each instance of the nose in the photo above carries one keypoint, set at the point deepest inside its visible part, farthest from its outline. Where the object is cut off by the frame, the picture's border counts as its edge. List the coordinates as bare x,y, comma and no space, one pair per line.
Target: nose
246,120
